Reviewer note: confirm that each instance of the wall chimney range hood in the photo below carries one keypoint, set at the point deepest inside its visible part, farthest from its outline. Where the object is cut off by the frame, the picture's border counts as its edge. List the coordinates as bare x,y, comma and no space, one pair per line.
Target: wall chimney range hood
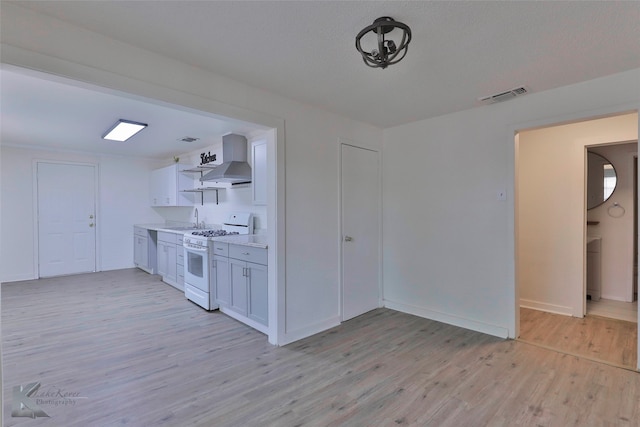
234,169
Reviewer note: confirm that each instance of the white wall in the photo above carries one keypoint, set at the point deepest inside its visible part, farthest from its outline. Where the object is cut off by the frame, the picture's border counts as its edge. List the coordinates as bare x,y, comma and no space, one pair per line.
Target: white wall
551,215
309,159
448,242
616,226
122,197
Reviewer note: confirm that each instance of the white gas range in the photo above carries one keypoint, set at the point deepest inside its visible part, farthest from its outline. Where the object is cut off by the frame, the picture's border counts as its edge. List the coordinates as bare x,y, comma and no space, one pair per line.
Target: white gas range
198,257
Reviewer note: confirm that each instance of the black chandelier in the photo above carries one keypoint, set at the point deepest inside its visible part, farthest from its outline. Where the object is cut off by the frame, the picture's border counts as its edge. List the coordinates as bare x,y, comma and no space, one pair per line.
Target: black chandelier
387,51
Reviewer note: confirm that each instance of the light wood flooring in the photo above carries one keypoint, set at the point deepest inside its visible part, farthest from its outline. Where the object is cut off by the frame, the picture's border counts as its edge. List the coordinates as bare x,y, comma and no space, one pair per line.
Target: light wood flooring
613,309
139,354
603,339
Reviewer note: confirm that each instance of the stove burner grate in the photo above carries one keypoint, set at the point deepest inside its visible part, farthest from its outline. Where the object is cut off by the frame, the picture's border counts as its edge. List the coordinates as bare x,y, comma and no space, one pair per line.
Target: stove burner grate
214,233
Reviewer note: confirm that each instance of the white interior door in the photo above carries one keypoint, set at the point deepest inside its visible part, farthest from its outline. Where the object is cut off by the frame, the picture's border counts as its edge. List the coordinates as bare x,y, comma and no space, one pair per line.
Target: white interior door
360,231
66,219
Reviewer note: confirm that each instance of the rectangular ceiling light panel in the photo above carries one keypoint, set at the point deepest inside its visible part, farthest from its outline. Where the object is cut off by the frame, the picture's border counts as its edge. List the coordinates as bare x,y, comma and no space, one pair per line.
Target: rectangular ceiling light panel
123,130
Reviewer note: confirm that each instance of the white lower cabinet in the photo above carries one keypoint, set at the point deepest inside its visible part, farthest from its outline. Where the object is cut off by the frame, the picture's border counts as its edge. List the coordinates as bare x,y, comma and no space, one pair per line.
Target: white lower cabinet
258,301
168,258
240,285
239,291
220,278
144,250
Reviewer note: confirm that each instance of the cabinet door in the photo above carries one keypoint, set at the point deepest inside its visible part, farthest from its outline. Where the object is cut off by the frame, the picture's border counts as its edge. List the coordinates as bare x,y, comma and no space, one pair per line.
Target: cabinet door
163,186
238,279
172,263
220,277
162,258
141,251
258,308
259,172
166,185
153,189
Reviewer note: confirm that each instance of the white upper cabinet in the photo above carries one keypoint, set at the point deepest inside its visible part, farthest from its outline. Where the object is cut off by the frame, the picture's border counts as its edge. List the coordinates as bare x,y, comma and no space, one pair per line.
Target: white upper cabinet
259,172
168,185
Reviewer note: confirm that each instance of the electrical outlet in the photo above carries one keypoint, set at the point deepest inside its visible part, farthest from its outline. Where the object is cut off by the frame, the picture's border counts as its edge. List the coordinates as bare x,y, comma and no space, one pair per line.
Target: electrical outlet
501,195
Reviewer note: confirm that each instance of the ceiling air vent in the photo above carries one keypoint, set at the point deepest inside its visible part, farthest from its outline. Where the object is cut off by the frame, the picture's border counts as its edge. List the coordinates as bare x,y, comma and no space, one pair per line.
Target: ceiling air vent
504,96
188,139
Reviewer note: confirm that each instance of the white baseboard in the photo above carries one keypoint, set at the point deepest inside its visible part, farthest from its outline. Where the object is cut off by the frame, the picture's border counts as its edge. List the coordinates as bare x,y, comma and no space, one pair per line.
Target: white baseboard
17,278
307,331
474,325
614,298
239,317
543,306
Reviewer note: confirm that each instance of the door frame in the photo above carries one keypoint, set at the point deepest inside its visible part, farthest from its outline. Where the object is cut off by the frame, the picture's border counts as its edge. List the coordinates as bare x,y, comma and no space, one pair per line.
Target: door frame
96,201
346,142
630,160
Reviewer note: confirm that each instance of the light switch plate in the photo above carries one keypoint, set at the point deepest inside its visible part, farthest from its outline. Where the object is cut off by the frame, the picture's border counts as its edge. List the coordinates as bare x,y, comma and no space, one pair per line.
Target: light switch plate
501,195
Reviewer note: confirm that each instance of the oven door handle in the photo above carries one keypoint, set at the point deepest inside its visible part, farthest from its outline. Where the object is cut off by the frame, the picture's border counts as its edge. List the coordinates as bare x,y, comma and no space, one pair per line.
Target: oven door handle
196,249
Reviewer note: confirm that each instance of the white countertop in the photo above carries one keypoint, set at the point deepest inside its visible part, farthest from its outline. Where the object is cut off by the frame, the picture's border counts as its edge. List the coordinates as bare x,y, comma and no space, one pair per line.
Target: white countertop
256,240
168,228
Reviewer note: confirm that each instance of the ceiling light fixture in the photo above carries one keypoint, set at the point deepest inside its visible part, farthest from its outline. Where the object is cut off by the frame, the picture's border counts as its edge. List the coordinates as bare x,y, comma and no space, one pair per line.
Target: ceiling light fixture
123,130
388,47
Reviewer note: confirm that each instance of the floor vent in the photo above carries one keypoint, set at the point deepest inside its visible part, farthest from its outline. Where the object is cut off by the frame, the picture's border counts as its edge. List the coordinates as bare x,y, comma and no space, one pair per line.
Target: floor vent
504,96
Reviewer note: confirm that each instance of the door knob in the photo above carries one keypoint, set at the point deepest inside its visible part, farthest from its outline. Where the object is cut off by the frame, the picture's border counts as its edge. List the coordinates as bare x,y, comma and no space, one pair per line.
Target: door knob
348,238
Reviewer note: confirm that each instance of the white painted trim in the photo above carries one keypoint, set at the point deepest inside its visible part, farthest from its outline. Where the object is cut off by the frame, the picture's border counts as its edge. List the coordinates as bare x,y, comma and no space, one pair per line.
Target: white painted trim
309,330
250,322
18,278
631,162
549,308
462,322
340,231
276,227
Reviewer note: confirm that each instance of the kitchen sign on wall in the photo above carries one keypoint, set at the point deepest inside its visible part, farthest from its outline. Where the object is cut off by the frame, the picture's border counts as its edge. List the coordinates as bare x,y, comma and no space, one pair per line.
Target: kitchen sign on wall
207,158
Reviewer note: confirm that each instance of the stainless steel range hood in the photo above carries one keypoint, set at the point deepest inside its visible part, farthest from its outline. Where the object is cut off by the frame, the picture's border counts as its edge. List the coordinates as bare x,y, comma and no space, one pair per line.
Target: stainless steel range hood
234,168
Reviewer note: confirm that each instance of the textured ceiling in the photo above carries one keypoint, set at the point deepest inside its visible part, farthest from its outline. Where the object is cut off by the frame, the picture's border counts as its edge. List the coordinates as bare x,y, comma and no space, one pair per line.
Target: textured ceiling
305,50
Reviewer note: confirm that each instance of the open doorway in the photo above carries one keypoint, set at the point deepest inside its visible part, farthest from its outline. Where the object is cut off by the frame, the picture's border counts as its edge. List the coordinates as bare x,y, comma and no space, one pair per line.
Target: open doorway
551,238
611,214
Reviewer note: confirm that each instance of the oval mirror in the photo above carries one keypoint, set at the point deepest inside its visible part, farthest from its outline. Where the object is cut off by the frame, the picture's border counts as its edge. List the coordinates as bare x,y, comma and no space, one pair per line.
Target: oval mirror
601,180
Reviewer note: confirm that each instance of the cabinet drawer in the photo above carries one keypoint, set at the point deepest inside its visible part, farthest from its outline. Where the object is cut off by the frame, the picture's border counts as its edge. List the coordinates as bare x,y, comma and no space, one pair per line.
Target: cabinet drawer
139,231
196,295
163,236
180,257
248,253
221,248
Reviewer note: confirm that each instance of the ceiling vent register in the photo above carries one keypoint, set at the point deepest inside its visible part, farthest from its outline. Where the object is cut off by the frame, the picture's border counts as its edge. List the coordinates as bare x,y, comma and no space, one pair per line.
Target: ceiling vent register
504,96
188,139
